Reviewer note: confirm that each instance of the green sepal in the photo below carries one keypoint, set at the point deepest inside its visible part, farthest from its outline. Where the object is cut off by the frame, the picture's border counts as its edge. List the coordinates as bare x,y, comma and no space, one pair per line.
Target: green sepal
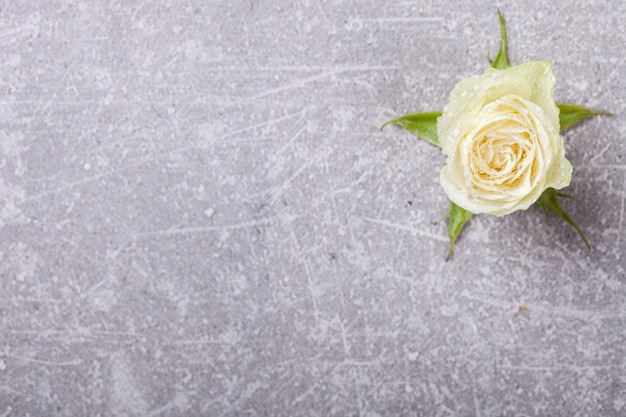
501,60
423,125
457,217
549,201
570,114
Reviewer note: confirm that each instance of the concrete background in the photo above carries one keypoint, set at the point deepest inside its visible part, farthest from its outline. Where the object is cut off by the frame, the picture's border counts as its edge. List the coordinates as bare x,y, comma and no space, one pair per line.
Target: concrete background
199,215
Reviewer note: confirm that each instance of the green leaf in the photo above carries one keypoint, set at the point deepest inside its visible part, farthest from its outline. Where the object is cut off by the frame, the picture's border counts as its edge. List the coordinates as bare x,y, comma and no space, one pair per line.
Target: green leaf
570,114
549,201
423,125
457,217
501,61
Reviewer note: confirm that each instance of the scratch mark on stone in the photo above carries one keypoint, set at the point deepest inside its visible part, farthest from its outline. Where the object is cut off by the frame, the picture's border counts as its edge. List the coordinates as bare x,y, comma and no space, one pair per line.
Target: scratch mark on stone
308,68
620,228
399,19
192,342
561,368
404,228
292,140
304,81
204,229
551,310
308,272
54,94
83,333
344,337
83,181
263,124
289,180
46,363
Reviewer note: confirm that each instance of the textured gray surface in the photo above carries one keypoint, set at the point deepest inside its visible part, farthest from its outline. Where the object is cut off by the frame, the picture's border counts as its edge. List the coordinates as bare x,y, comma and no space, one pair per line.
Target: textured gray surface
199,215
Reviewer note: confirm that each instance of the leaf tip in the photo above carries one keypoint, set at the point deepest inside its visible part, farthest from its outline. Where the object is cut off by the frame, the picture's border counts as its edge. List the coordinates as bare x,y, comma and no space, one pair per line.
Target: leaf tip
548,202
501,17
586,242
388,122
457,218
501,61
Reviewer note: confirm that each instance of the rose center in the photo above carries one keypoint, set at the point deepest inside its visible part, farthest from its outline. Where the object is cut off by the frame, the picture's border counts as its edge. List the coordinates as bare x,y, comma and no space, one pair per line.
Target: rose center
496,156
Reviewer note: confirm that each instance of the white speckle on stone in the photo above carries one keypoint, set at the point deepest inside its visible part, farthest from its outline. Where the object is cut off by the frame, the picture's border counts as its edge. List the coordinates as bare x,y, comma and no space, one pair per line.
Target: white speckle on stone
181,401
127,396
209,212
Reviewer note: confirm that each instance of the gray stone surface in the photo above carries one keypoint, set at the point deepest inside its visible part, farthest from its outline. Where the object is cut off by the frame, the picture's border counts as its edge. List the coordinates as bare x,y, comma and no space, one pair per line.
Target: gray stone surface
199,215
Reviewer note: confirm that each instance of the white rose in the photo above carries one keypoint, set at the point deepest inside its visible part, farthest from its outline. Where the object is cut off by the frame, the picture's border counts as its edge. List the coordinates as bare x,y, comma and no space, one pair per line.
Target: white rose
500,132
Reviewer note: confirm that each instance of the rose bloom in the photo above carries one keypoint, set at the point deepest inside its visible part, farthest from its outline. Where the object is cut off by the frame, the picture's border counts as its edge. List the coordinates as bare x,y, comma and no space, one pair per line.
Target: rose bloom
500,132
